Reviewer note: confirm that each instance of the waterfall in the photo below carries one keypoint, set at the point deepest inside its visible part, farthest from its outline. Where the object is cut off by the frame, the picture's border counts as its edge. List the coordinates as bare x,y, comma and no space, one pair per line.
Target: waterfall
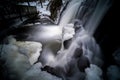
101,8
70,13
93,13
77,26
81,40
90,12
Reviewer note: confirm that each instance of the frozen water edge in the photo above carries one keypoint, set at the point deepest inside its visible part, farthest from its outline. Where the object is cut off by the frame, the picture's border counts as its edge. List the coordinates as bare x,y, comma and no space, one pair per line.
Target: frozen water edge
20,58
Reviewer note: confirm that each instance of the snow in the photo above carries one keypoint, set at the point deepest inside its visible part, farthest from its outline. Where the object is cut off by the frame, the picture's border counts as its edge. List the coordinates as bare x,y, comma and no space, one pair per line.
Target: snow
93,73
35,73
27,48
42,11
20,56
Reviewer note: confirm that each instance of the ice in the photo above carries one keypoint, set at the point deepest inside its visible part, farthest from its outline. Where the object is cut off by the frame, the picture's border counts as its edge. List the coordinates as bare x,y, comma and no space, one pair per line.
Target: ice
20,57
93,73
35,73
42,10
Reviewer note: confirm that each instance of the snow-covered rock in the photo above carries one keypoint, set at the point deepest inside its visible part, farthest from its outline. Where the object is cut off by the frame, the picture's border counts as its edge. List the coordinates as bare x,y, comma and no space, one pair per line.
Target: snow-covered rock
27,48
93,73
68,32
19,58
16,63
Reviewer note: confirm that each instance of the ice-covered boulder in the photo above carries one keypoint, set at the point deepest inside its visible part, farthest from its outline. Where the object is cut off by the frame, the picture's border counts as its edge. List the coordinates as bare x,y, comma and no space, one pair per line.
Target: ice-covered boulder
16,63
20,58
93,73
28,48
35,73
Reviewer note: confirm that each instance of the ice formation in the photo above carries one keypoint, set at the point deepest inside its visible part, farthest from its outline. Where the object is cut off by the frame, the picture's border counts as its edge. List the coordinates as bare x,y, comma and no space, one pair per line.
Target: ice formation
20,58
93,73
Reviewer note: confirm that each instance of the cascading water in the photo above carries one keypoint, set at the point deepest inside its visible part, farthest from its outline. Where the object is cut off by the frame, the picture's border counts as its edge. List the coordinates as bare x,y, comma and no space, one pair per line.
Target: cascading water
72,11
100,10
83,37
83,51
90,12
82,40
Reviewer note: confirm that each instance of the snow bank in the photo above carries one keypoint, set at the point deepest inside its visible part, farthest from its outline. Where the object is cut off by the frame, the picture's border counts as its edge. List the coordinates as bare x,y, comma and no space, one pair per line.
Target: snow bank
27,48
35,73
16,63
20,58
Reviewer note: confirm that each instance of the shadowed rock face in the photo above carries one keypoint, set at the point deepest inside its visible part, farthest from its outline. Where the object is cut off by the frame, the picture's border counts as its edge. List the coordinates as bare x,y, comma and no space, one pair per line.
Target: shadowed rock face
83,63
